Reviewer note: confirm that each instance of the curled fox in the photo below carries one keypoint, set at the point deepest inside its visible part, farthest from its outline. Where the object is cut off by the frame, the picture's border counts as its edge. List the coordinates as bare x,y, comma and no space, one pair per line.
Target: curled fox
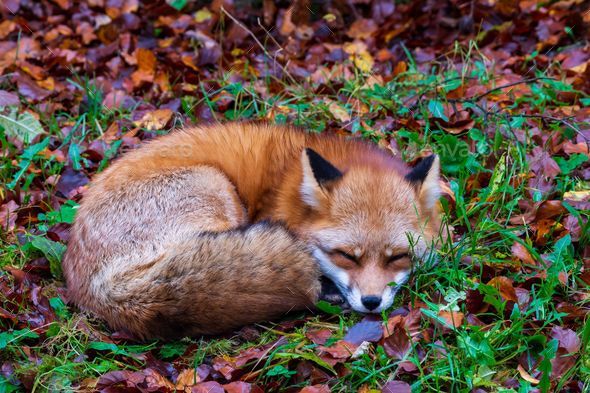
210,228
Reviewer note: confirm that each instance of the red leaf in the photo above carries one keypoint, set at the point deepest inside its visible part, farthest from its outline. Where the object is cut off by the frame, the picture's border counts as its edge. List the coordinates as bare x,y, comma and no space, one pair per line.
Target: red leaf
316,389
397,345
562,362
396,387
567,338
241,387
208,387
318,336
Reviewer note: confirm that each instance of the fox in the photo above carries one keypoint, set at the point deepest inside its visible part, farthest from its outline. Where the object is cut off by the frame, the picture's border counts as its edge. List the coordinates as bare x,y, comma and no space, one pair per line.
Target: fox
210,228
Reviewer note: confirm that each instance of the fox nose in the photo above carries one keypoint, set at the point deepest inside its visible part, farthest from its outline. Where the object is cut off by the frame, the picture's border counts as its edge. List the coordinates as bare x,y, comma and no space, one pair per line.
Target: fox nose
371,302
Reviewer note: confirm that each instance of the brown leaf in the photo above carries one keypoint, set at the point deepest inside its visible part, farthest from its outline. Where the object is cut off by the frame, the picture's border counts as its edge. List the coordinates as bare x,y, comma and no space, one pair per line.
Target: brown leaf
398,344
147,379
6,27
336,353
29,89
550,209
561,363
316,389
208,387
339,112
521,252
458,123
396,387
318,336
542,164
452,318
8,215
504,285
362,28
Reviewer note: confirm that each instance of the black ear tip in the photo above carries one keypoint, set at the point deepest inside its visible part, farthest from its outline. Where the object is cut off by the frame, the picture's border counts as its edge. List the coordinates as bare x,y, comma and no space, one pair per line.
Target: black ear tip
420,171
322,170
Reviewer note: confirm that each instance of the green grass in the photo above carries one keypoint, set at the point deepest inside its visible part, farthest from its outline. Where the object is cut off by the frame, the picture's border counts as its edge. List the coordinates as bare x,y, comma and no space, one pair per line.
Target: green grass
75,349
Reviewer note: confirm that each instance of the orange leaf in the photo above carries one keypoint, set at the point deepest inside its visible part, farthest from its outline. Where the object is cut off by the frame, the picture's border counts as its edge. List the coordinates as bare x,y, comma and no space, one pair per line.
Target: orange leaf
504,285
187,377
452,318
155,120
521,252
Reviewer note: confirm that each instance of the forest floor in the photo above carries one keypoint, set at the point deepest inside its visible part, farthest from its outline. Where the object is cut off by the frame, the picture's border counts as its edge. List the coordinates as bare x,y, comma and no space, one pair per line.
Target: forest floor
500,90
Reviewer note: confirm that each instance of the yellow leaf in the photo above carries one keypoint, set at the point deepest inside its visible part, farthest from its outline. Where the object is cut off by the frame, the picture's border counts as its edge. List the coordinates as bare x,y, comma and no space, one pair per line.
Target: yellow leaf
579,196
329,18
580,69
361,57
155,120
202,15
339,112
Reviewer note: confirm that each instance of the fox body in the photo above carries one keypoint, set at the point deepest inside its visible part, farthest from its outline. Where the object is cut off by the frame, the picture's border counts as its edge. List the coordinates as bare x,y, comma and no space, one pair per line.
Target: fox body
210,228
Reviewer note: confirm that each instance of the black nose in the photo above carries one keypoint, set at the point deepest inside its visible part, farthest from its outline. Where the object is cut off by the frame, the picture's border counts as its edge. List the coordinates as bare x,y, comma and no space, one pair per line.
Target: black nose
371,302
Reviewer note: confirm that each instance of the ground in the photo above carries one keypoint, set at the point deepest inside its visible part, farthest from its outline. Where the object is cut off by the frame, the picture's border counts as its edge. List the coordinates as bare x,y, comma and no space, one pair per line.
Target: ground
498,89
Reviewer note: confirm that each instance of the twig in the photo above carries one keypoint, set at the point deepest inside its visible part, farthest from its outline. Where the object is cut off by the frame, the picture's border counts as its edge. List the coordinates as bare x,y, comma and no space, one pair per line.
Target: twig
236,21
528,80
269,35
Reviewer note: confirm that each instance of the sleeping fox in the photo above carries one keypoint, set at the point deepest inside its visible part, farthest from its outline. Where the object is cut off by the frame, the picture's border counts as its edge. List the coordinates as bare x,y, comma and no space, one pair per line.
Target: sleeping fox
210,228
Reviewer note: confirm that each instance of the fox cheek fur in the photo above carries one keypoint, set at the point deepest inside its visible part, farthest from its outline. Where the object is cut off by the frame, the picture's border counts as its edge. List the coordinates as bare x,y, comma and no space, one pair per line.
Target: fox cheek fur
240,231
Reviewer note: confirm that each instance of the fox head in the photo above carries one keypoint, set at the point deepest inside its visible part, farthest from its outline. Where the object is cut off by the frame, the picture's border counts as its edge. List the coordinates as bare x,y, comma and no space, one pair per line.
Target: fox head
368,224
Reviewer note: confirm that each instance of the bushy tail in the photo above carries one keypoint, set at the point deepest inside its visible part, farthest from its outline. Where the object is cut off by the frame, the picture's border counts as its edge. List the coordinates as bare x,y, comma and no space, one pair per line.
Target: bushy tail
212,283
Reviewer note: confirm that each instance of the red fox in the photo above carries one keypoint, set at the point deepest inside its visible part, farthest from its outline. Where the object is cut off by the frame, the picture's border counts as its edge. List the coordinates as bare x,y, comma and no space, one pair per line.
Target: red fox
211,228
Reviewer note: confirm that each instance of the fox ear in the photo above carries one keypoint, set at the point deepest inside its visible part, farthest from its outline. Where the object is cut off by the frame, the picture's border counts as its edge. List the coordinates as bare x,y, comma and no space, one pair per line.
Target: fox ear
318,175
426,176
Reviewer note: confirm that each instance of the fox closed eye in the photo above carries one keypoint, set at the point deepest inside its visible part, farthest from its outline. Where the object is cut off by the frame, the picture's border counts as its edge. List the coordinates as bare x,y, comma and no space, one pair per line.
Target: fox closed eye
397,257
346,255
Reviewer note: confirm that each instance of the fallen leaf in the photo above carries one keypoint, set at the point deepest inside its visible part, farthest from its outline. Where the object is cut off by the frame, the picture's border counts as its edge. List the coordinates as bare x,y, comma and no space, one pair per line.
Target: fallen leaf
452,319
396,387
568,339
208,387
155,120
8,215
504,285
318,336
24,126
316,389
8,98
362,28
339,112
521,252
526,376
366,330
